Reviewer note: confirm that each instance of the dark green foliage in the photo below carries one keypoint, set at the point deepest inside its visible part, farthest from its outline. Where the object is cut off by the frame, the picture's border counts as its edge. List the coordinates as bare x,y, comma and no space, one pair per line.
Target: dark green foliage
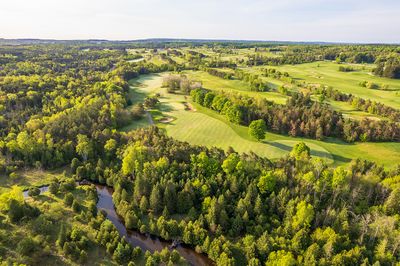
26,246
68,199
17,211
346,69
33,192
53,187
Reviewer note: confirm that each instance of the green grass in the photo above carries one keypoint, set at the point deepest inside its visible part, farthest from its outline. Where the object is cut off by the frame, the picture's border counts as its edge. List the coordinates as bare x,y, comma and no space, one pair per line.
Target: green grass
208,128
201,129
350,112
238,86
386,153
327,73
28,178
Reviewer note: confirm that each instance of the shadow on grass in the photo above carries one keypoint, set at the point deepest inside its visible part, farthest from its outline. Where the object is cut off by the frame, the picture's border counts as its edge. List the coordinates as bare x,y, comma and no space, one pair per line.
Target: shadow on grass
166,107
136,96
323,154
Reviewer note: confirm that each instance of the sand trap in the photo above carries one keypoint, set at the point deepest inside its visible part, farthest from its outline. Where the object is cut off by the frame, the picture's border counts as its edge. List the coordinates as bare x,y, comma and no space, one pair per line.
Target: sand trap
166,120
189,107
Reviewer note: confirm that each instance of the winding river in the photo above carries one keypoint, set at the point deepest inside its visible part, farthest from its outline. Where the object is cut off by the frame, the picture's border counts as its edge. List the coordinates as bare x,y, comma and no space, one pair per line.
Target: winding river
135,238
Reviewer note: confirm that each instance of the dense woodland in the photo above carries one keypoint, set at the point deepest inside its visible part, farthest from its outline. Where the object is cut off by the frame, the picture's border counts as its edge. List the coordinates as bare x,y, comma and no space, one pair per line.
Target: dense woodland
62,105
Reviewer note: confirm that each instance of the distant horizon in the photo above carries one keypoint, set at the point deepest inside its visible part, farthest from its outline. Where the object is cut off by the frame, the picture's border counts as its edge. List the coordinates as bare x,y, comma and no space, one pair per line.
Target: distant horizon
332,21
166,39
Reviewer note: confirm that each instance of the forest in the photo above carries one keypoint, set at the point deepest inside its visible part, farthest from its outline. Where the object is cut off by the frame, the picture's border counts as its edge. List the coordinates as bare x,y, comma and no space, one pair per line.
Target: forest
227,153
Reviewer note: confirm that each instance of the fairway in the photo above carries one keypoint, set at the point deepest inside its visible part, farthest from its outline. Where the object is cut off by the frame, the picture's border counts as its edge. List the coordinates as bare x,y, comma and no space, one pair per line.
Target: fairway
201,129
206,127
238,86
327,73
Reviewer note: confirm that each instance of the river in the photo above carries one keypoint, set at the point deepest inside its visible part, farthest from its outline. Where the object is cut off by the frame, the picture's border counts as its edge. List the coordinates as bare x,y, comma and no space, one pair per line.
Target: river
135,238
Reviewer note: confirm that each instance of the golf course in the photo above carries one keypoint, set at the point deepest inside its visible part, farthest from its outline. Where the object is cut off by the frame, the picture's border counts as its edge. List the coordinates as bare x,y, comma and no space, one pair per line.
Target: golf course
201,126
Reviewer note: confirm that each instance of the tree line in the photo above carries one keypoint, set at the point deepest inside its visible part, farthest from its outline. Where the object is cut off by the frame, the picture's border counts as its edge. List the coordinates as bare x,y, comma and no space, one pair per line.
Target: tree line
299,117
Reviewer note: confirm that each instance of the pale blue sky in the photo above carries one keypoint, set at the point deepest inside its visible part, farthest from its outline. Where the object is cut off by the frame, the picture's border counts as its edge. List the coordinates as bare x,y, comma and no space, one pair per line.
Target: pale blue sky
301,20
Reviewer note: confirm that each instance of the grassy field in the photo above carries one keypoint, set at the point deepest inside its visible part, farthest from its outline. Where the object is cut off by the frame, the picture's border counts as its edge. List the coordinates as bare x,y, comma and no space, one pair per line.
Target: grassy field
27,179
202,126
219,84
327,73
350,112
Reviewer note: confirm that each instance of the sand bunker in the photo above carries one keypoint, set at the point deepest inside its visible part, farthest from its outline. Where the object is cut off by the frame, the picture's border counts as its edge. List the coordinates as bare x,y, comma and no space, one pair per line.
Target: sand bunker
189,107
166,120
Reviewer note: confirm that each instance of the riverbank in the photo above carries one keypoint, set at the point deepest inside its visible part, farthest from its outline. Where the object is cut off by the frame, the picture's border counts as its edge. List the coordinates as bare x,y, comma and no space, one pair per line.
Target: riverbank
146,242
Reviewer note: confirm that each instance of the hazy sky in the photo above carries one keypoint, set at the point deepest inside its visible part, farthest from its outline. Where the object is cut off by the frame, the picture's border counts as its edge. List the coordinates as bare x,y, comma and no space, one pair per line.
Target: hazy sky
294,20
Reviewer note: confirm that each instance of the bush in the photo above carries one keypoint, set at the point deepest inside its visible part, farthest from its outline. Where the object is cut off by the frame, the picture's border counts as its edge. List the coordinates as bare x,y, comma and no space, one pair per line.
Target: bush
137,111
76,206
33,192
372,86
53,188
26,246
68,199
346,69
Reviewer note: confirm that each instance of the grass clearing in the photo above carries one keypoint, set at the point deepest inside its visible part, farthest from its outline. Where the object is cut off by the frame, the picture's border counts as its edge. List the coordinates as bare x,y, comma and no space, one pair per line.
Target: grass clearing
29,178
208,128
327,73
218,84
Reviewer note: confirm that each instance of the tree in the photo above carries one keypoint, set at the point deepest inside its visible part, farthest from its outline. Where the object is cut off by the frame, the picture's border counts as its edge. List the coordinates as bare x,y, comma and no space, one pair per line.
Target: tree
134,158
144,204
68,199
53,187
300,150
110,146
62,236
230,163
15,211
392,203
267,182
14,194
84,146
76,206
156,199
257,129
122,253
304,215
280,258
33,192
26,246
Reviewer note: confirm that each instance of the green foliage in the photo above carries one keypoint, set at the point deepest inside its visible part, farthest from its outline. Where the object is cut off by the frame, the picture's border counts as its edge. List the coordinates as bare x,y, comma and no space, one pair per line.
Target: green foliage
68,199
304,215
300,150
257,129
237,209
15,194
267,182
26,246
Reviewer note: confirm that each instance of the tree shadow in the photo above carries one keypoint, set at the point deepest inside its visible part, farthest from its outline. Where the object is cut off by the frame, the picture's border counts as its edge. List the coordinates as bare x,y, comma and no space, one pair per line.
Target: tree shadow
323,154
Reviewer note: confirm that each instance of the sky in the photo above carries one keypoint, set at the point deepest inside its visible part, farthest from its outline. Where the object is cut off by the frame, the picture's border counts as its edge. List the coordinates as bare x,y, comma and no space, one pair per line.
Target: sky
366,21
